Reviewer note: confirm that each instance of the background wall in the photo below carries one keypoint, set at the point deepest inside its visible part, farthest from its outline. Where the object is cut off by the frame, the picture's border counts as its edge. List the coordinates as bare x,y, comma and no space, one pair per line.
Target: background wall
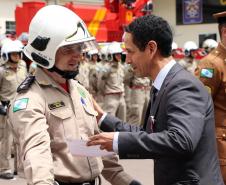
182,33
163,8
7,8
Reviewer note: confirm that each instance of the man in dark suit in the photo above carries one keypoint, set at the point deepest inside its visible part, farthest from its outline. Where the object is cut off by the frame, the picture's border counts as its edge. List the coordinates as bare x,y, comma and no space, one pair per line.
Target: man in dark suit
178,131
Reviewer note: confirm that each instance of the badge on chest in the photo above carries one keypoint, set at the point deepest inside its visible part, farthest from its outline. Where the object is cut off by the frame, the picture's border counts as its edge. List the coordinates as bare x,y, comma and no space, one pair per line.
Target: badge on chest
56,105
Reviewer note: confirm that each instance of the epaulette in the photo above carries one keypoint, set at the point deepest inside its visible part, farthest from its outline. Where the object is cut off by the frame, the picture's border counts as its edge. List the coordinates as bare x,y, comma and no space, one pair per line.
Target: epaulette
25,85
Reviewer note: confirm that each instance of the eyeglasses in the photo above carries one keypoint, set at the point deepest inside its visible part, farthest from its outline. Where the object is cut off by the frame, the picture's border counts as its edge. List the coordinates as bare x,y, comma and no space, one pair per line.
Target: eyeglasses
75,49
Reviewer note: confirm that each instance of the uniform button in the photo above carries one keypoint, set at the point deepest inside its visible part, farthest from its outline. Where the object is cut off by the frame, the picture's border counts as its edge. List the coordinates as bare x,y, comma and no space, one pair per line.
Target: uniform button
216,52
224,136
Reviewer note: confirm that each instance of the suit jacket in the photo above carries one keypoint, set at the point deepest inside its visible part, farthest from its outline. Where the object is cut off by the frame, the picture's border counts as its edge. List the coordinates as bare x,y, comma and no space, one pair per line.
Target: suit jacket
183,143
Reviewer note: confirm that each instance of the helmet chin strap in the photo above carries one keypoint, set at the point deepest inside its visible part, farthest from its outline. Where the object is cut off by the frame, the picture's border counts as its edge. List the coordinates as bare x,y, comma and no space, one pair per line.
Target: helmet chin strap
65,74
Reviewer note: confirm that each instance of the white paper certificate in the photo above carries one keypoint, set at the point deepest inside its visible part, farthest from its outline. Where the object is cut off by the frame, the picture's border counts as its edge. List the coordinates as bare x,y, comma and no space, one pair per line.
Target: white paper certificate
78,147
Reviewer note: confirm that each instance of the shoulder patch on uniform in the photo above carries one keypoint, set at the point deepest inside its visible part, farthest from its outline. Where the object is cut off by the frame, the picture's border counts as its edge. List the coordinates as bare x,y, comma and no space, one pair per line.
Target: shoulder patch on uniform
56,105
20,104
25,85
207,73
81,92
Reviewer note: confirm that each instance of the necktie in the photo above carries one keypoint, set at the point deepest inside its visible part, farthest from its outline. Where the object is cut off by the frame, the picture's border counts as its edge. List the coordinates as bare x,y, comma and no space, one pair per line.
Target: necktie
154,93
151,120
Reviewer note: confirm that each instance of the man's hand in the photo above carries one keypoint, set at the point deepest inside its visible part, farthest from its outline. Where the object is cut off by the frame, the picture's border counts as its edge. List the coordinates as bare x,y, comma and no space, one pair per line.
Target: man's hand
105,140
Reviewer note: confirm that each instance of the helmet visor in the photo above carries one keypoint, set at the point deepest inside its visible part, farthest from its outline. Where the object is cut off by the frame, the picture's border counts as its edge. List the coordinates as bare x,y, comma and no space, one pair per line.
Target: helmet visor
79,48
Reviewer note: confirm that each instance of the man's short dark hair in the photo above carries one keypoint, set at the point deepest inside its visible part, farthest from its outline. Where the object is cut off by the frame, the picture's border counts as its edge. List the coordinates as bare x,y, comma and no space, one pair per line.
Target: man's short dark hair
151,27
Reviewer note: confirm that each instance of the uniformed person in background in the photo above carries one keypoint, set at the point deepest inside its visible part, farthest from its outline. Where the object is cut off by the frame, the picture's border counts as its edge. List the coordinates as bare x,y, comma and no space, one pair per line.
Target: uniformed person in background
93,58
209,44
100,69
189,63
113,83
139,98
83,76
51,107
12,72
212,72
128,71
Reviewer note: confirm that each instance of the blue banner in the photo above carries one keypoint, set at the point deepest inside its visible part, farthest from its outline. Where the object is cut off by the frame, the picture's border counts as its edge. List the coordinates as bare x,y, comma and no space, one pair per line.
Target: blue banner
192,11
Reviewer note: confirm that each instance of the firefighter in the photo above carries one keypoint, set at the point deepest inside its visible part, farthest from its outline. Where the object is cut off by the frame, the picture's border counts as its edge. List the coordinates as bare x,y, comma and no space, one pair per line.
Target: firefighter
52,108
212,72
93,58
83,76
103,54
101,66
12,72
139,98
189,62
128,71
112,83
209,45
140,95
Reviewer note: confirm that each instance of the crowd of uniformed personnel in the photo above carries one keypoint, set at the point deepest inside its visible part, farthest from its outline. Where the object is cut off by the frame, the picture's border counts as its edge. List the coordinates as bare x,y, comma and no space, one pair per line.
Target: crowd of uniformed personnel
112,83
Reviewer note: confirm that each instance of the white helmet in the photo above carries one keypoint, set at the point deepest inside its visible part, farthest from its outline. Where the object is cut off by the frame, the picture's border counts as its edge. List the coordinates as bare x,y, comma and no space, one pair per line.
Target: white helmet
91,53
52,27
103,53
3,41
19,44
114,48
10,47
189,46
174,45
209,44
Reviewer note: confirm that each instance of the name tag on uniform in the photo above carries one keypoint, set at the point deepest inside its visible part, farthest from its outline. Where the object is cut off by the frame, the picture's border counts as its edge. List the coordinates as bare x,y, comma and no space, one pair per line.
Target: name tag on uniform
56,105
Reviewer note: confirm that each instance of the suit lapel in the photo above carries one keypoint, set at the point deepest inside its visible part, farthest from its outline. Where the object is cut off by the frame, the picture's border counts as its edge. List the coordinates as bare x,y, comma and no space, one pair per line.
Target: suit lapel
173,71
152,109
